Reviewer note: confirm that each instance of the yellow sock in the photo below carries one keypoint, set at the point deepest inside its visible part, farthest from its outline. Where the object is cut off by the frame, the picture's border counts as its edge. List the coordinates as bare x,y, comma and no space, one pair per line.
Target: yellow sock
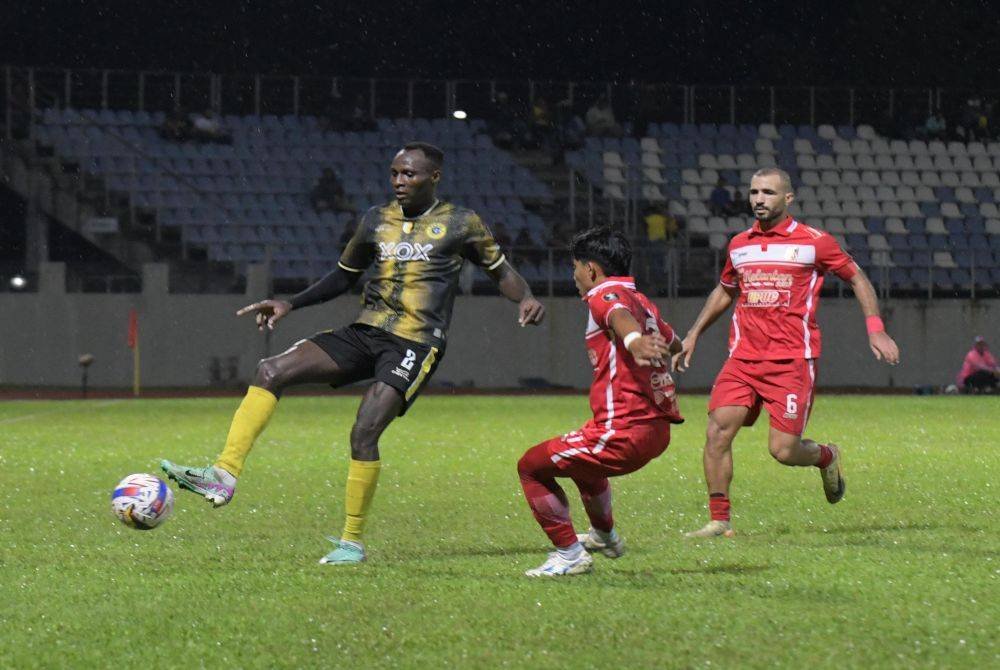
248,422
362,478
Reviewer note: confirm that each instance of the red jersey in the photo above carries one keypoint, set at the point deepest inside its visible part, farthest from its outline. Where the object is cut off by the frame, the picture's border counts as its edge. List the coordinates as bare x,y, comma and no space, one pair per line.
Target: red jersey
779,273
624,393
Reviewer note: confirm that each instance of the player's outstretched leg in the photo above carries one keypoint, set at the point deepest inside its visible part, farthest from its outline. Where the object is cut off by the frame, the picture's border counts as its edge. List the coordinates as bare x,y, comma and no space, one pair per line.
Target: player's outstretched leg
550,507
723,424
303,362
215,484
789,449
602,536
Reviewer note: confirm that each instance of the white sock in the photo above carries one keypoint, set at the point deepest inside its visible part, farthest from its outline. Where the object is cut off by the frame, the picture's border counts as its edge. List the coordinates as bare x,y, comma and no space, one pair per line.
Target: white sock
224,476
572,552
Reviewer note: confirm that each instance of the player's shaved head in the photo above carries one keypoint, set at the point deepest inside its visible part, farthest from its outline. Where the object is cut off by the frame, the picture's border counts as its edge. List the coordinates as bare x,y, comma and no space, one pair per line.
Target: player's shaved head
785,180
770,195
433,154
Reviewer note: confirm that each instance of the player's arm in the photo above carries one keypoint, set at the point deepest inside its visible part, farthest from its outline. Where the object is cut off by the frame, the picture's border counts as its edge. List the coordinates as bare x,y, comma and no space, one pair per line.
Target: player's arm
270,311
647,349
513,287
883,346
716,305
358,255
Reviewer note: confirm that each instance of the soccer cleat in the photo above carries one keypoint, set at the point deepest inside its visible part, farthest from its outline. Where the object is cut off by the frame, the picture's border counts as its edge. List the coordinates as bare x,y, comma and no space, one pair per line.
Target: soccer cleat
557,566
833,478
713,528
591,541
346,553
203,481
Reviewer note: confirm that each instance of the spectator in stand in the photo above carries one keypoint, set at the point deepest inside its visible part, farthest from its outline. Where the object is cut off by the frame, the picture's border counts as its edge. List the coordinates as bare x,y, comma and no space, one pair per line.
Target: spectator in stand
570,128
979,373
719,200
661,226
600,119
328,194
506,129
935,127
972,121
361,118
739,206
542,130
176,127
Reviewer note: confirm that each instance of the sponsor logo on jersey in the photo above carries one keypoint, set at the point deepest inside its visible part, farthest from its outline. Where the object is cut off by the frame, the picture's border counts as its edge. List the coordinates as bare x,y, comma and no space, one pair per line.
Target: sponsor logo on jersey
593,357
437,231
792,253
407,227
768,298
610,297
399,372
404,251
766,278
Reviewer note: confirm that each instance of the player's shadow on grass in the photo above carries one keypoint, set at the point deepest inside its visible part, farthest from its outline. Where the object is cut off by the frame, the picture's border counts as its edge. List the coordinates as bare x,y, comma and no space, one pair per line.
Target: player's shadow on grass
472,552
724,569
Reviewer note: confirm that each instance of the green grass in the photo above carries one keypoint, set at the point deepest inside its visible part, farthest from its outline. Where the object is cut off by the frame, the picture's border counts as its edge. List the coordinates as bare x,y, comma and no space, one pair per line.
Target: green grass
903,573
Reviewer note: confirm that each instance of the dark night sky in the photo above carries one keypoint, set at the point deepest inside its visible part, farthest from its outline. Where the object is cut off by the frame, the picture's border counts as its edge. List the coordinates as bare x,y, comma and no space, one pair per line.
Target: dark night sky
892,42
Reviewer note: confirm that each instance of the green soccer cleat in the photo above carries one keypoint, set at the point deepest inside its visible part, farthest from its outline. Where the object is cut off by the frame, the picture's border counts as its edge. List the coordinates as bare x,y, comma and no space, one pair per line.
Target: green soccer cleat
713,528
592,542
833,478
203,481
346,553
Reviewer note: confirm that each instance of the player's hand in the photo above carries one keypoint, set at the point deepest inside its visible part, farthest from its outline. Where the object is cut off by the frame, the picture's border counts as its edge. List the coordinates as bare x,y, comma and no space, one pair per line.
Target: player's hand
268,312
649,349
681,361
884,348
530,311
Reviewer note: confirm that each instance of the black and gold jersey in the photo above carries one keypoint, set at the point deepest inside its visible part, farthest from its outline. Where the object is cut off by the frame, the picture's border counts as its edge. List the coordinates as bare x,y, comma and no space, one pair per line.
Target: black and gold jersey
417,262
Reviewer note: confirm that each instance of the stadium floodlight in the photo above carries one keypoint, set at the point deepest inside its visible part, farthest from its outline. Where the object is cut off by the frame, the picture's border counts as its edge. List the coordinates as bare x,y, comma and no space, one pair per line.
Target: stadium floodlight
17,282
459,114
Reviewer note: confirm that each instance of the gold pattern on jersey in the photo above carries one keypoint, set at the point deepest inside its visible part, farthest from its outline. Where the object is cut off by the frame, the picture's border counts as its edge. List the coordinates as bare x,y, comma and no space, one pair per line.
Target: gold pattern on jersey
415,266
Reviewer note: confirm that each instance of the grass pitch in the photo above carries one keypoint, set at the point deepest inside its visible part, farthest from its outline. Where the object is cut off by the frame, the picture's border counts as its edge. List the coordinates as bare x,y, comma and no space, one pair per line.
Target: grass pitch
903,573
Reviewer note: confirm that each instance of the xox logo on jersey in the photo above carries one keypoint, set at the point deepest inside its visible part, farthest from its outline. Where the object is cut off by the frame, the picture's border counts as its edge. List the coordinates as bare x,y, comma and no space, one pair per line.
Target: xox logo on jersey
404,251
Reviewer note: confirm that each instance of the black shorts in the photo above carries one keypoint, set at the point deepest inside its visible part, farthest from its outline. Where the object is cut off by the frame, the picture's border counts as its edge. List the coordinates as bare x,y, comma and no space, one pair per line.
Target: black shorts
366,352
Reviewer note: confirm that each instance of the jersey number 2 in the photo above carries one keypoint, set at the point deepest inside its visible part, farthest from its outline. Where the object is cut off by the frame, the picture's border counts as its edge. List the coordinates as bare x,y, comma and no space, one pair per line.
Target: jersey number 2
408,360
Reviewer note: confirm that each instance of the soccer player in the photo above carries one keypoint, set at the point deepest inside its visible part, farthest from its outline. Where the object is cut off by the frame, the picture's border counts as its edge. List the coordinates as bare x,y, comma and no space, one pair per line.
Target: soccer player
417,245
633,399
775,269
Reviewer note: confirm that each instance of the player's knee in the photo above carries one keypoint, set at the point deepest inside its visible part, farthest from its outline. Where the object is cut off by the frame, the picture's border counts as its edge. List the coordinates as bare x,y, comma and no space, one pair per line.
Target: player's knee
524,466
718,438
781,452
269,375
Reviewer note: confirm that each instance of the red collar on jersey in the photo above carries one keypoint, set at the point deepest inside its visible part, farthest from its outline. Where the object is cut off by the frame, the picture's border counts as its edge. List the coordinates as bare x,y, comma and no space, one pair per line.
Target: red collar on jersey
627,282
784,228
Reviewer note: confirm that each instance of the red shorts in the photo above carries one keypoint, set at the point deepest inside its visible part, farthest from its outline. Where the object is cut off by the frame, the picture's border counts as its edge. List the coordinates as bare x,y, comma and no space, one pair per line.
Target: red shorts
602,452
786,388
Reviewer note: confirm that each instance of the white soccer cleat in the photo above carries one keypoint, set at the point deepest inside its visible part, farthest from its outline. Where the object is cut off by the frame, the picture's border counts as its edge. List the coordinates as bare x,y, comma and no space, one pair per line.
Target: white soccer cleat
714,528
591,541
833,478
557,566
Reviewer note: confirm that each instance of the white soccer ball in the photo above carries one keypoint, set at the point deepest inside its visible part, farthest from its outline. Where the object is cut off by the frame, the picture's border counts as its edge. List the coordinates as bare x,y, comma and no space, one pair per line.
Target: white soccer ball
142,501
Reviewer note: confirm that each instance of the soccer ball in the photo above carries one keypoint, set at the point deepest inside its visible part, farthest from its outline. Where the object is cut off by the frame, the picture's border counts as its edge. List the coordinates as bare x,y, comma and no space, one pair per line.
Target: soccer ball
142,501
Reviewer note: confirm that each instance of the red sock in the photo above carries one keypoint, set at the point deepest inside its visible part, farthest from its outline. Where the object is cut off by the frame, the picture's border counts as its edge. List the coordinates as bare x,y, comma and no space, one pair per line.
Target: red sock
718,506
825,456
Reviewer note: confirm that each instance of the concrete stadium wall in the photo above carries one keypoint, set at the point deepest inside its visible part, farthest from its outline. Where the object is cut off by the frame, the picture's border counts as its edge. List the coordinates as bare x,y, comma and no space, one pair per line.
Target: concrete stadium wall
41,335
